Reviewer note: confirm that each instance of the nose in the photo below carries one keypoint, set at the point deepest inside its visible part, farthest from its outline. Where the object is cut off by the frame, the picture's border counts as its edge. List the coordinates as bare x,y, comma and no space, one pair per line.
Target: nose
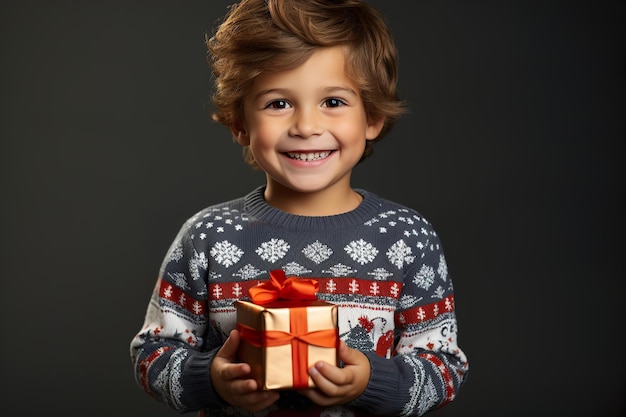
306,123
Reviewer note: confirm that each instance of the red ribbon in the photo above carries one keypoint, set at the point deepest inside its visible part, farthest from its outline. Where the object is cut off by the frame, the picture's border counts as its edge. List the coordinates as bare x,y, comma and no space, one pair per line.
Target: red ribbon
281,287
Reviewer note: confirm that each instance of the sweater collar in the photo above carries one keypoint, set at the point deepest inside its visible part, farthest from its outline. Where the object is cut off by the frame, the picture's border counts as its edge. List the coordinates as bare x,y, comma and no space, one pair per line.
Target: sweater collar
260,210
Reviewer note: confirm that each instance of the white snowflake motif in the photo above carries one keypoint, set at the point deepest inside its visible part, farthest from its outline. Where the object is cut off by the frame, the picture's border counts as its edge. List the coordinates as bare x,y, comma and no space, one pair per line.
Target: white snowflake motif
438,293
217,292
237,290
273,250
197,307
248,272
395,290
361,251
294,268
168,292
380,274
199,261
179,279
442,269
407,301
225,253
331,286
317,252
339,270
399,254
425,277
371,222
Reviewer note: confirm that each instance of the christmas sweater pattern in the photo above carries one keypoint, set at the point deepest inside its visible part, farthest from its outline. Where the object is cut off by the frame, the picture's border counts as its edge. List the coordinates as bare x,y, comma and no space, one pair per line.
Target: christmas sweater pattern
381,264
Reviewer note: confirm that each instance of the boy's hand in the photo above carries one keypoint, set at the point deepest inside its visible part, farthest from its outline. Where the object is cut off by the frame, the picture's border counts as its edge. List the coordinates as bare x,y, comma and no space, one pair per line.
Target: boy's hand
231,380
339,385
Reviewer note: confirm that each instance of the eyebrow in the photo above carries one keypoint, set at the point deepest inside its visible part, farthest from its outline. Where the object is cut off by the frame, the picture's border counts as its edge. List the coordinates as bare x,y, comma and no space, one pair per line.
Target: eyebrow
285,91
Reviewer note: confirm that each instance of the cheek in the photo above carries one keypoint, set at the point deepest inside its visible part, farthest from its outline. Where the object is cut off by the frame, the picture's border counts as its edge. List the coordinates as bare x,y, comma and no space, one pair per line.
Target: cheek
353,132
262,139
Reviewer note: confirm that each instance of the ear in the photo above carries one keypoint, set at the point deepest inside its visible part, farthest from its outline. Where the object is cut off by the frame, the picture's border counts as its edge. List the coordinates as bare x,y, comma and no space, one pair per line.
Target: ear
240,135
374,127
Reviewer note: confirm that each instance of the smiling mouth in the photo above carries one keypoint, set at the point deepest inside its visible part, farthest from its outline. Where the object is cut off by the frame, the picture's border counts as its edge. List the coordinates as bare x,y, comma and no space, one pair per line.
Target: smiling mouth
308,156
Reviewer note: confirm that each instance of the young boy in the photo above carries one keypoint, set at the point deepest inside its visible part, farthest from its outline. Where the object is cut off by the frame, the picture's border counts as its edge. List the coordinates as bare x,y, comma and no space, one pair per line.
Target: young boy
306,87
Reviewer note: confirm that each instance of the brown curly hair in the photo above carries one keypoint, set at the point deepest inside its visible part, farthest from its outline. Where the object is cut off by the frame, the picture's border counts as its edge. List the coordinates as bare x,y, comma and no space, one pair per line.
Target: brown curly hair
258,36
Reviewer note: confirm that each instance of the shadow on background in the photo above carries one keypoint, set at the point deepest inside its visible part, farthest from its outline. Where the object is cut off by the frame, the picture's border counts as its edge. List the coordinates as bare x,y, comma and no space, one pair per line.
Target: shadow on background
513,149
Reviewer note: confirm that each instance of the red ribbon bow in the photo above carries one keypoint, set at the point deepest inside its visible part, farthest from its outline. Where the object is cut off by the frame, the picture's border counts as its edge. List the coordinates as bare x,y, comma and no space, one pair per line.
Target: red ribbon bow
281,287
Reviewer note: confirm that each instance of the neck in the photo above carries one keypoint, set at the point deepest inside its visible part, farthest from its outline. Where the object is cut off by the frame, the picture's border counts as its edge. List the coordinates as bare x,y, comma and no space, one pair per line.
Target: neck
327,202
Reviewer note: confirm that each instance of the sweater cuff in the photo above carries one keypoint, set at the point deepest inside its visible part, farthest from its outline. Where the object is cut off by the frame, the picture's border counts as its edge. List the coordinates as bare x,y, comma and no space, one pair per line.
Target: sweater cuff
198,391
381,395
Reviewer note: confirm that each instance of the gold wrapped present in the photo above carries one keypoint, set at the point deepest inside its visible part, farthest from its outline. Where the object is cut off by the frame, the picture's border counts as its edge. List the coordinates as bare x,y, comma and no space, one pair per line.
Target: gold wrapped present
285,331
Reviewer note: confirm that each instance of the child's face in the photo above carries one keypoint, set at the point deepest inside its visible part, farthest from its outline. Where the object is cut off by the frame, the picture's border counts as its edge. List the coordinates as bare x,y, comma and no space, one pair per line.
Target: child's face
307,127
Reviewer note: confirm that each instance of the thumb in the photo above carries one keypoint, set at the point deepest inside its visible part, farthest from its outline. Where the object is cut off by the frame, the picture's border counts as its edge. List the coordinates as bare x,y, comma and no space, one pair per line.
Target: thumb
344,353
350,356
230,346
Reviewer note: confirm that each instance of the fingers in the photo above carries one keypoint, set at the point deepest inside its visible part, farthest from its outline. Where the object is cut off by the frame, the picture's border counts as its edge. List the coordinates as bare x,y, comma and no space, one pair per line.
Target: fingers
329,379
224,362
355,363
232,380
340,385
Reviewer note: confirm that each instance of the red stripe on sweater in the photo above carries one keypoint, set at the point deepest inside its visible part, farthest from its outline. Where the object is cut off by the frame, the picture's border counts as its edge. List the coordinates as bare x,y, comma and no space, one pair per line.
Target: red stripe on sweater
425,312
229,290
144,367
358,286
445,375
178,296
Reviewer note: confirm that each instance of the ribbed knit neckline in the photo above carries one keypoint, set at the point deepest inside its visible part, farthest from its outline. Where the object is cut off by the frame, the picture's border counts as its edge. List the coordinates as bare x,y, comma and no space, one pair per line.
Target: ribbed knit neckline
258,208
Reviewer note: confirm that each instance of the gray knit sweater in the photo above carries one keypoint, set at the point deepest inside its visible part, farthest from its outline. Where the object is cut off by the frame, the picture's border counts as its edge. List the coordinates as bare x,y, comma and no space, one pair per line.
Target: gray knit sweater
382,264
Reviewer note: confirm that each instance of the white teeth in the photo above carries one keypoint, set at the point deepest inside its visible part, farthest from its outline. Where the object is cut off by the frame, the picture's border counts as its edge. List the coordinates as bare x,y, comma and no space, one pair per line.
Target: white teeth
311,156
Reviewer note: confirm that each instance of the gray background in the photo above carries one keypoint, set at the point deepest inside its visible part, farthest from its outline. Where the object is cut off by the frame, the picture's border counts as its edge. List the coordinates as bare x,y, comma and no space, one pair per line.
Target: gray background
513,149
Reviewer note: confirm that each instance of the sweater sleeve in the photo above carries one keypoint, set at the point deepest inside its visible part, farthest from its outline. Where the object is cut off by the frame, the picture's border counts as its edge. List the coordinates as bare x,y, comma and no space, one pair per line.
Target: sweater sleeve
427,367
170,355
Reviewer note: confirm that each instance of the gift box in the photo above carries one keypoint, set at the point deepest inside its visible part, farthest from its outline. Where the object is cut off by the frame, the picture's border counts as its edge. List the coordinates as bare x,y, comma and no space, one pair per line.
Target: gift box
285,331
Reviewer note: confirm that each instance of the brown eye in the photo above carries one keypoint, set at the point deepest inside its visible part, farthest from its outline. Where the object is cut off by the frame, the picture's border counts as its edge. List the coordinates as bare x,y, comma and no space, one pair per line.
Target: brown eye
278,104
334,102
